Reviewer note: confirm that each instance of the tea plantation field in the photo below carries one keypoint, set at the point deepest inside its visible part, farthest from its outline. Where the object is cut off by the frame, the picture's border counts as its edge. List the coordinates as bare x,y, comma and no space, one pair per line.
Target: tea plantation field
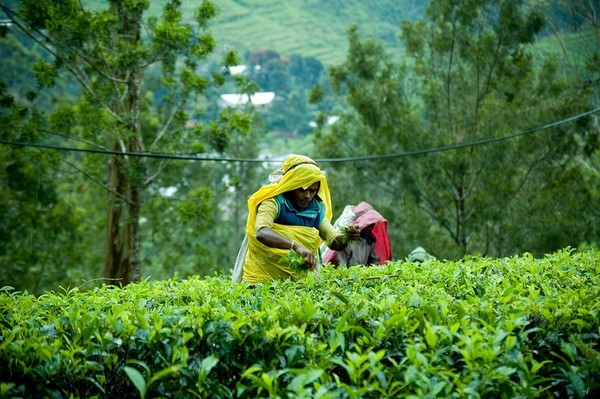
516,327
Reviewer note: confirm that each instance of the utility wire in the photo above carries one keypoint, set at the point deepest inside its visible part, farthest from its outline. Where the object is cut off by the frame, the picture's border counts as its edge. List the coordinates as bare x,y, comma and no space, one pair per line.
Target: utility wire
321,160
462,145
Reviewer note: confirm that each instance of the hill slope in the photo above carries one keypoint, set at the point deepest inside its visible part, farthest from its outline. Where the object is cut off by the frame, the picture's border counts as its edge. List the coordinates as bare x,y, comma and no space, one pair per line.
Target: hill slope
311,28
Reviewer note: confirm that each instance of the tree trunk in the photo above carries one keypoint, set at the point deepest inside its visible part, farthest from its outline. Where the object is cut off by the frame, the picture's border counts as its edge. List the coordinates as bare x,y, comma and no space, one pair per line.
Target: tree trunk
135,176
135,144
116,260
462,220
134,236
122,254
125,176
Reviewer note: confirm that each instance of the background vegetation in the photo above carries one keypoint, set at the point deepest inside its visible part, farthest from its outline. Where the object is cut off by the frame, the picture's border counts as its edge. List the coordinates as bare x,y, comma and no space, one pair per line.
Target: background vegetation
467,77
312,28
401,79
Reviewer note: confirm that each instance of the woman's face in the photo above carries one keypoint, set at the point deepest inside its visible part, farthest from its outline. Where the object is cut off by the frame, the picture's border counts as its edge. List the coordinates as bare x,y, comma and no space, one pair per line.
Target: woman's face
301,197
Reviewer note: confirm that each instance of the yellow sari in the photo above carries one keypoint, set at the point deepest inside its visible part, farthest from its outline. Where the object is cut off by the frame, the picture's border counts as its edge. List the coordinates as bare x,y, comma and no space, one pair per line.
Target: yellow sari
261,262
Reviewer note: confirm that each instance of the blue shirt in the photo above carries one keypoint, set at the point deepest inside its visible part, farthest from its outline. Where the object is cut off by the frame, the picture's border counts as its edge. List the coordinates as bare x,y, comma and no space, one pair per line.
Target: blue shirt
288,214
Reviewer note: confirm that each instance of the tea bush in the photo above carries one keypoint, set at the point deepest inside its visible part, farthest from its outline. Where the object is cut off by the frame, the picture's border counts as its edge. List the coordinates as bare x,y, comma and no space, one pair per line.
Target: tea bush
479,328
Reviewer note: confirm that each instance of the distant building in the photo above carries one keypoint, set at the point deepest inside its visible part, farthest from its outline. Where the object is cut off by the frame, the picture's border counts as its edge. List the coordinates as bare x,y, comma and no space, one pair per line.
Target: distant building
259,100
236,69
330,121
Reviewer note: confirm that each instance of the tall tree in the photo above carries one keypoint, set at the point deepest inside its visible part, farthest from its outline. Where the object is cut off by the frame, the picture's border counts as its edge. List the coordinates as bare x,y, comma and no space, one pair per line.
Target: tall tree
109,51
468,76
475,76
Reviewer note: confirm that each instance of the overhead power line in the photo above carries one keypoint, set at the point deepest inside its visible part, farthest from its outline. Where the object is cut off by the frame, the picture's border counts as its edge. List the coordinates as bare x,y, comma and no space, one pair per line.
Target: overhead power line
321,160
462,145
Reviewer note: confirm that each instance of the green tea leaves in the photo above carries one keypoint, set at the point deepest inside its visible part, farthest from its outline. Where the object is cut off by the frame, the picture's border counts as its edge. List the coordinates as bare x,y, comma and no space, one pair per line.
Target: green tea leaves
398,330
345,230
294,260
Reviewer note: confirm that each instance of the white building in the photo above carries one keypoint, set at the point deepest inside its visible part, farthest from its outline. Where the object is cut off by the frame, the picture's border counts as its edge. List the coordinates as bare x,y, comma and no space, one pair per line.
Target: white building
238,69
330,121
259,100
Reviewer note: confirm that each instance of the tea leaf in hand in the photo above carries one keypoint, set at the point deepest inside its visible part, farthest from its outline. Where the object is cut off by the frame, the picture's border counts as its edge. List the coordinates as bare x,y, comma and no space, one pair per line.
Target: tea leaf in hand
345,230
295,260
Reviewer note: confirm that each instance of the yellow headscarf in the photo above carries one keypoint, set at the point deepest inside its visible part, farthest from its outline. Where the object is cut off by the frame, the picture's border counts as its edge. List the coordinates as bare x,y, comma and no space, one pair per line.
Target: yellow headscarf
296,171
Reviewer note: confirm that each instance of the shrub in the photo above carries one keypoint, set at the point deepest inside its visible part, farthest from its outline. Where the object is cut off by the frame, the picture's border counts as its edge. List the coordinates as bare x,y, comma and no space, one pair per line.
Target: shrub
506,328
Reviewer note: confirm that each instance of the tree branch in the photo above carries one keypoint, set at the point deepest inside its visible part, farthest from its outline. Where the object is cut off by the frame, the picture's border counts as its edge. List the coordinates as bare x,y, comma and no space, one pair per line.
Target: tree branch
97,182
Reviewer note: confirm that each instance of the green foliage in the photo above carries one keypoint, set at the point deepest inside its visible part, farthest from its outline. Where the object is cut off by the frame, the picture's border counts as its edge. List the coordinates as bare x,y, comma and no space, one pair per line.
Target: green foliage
468,76
478,327
140,382
109,51
310,28
290,79
198,230
294,260
345,231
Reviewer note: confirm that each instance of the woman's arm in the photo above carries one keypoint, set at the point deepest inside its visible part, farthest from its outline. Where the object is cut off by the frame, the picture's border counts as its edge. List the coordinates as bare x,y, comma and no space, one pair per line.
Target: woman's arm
275,240
334,239
267,212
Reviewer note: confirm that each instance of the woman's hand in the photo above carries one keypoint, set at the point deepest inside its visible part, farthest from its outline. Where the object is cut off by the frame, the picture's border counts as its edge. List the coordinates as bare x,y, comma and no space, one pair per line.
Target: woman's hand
353,232
350,233
275,240
309,257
